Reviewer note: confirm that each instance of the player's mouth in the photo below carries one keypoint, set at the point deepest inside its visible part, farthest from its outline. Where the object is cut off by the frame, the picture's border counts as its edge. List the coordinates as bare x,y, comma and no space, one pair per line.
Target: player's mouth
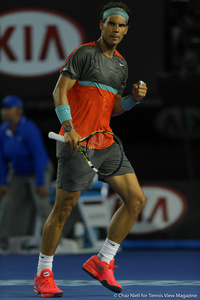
114,37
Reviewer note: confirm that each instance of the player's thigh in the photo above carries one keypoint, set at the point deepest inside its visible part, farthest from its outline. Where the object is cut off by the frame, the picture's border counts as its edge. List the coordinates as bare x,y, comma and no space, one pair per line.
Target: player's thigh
128,187
73,173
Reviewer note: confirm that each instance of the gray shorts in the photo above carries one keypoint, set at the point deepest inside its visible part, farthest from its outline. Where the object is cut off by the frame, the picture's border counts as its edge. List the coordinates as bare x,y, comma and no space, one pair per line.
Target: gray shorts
74,174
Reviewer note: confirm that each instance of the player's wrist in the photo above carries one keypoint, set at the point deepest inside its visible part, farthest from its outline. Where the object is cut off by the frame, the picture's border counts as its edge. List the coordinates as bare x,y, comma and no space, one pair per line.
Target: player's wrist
68,127
128,102
63,113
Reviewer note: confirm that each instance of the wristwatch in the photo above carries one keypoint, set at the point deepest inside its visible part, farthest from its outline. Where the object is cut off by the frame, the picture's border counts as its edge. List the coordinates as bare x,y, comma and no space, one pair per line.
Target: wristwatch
68,127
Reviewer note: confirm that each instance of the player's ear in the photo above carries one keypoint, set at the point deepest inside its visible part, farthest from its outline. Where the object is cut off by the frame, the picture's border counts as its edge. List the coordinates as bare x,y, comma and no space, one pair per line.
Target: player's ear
101,24
126,30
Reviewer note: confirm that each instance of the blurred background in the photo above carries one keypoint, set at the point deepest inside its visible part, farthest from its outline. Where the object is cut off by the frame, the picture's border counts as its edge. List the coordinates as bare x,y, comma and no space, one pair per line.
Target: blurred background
161,136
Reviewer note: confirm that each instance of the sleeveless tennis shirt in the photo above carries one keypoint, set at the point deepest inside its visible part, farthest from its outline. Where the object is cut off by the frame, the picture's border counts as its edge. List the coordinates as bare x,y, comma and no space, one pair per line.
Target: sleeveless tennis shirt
98,80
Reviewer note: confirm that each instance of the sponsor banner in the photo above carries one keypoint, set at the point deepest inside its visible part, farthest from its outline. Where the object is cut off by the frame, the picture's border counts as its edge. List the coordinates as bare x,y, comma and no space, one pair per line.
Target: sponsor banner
36,42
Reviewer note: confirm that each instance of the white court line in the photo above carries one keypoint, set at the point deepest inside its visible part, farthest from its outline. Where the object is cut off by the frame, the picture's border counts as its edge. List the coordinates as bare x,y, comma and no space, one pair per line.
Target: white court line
20,282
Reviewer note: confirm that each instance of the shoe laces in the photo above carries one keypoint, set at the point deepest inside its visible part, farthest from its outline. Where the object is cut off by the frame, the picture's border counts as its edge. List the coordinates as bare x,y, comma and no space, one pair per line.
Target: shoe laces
112,266
50,281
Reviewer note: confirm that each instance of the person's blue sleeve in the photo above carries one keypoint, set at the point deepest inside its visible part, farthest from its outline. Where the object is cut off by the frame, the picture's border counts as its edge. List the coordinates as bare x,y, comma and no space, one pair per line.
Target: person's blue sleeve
3,163
38,152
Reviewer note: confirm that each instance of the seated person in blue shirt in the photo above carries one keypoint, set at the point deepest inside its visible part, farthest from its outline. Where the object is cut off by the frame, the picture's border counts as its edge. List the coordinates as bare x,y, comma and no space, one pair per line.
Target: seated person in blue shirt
25,167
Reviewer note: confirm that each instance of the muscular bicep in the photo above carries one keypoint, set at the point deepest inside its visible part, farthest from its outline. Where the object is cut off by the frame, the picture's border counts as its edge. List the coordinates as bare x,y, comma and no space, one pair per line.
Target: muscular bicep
63,85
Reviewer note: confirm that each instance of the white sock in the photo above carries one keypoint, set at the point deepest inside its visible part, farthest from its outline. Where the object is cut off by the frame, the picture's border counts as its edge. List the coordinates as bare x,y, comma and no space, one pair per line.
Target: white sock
108,251
45,262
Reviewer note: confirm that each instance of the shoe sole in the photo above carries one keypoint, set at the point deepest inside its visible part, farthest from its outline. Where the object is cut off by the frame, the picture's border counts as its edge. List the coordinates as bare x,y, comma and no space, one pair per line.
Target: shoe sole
56,295
112,288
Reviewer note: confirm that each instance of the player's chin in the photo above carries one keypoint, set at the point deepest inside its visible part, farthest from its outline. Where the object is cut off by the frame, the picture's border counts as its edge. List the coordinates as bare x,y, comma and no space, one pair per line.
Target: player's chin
114,43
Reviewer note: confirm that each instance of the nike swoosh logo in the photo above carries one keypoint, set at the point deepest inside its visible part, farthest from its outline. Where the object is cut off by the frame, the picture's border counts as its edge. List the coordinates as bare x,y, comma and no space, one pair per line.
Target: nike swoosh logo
100,268
121,65
111,244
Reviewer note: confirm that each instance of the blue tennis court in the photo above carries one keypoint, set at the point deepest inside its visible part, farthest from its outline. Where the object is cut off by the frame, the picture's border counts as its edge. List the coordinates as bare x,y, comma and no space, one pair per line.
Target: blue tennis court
145,274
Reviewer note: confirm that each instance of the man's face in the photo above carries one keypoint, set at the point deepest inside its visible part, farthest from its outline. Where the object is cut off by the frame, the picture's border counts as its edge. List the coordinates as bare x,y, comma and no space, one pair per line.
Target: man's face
9,113
113,29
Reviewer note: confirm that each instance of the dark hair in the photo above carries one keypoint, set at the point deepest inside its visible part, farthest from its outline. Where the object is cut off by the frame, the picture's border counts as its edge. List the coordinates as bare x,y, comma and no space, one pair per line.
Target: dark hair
115,4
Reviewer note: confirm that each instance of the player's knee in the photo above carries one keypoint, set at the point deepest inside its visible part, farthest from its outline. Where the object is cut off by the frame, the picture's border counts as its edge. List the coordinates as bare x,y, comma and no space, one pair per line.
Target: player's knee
64,204
137,205
64,214
142,201
64,211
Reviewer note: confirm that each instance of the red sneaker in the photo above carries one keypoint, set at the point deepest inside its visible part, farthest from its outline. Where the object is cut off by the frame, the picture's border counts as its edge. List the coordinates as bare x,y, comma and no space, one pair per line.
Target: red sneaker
103,272
45,285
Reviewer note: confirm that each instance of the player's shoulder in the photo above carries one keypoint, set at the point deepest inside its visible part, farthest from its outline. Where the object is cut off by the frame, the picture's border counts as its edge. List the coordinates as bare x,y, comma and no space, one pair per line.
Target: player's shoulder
86,48
89,45
83,51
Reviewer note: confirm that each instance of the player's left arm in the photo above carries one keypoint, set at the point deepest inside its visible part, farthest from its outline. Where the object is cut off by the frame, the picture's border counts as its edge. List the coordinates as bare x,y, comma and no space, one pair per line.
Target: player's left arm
122,104
117,110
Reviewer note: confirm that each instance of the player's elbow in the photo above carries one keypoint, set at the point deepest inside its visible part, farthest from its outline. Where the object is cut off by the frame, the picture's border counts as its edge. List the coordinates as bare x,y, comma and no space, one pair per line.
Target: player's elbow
56,94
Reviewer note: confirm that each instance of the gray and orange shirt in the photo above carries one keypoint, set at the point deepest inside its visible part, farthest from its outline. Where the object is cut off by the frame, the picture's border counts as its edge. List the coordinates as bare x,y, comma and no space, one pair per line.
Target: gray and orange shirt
98,80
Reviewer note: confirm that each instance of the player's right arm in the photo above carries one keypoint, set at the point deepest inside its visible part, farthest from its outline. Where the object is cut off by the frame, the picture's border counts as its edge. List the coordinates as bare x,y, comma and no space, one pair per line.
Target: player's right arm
63,85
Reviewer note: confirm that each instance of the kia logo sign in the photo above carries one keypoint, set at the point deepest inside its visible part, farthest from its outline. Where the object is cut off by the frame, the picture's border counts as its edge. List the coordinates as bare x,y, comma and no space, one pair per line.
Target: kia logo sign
164,208
36,42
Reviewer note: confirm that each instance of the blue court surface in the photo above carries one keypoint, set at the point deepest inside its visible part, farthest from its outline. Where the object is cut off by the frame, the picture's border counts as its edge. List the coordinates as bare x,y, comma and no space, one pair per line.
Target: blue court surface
145,274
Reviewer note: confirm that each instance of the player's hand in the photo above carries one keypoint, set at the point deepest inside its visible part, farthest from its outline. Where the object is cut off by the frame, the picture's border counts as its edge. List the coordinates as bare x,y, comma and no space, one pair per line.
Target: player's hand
139,90
42,191
72,138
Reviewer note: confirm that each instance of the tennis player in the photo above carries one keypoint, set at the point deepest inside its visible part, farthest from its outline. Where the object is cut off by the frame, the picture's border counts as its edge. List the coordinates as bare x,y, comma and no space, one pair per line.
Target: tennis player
88,92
